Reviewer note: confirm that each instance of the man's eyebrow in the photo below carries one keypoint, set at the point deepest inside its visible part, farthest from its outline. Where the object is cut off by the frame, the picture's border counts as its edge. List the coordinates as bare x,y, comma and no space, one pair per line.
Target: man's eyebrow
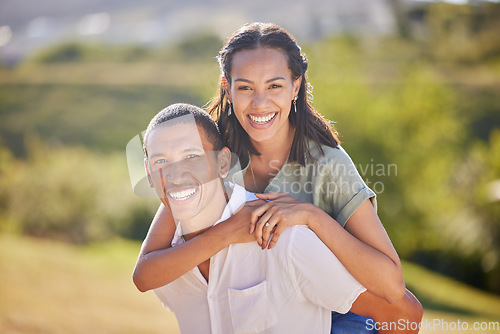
188,149
194,148
267,81
156,155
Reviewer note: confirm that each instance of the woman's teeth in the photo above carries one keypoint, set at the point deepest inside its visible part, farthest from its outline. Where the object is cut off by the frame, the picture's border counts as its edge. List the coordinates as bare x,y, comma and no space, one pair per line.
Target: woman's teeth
262,120
182,195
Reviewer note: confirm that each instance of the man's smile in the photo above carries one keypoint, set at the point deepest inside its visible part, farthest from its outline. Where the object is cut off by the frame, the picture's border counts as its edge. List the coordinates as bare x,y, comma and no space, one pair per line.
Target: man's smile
182,195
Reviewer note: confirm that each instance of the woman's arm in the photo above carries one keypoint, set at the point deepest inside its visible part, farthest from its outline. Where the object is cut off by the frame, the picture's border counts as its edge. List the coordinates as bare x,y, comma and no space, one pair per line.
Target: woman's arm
363,247
159,264
402,317
365,250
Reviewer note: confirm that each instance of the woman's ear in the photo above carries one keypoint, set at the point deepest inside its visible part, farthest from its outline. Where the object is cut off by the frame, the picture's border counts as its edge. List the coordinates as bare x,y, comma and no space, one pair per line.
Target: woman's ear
224,162
226,86
296,85
151,185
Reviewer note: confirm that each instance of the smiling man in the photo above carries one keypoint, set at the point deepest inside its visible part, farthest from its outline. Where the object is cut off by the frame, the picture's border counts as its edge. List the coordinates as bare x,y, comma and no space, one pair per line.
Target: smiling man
291,288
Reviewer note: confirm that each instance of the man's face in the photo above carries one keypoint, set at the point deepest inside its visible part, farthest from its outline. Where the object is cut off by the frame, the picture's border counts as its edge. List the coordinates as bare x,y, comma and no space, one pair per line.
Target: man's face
183,168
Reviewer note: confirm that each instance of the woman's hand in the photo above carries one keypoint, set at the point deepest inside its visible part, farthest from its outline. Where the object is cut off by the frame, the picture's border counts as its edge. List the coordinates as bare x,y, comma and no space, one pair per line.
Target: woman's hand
238,227
280,211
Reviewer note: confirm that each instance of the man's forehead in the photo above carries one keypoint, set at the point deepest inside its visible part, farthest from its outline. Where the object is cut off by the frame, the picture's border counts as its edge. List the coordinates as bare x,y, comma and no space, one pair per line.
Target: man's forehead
178,134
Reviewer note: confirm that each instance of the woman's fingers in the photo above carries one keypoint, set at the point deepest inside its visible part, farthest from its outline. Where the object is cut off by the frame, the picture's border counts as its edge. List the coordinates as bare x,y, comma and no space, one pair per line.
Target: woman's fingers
270,196
269,227
260,226
254,216
260,210
276,234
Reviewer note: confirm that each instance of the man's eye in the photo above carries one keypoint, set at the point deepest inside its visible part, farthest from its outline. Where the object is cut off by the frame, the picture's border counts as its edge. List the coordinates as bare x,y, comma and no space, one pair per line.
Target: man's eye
159,161
191,156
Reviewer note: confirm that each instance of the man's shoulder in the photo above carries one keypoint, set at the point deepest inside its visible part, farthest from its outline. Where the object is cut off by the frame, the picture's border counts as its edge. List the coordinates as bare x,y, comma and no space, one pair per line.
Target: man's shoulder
299,240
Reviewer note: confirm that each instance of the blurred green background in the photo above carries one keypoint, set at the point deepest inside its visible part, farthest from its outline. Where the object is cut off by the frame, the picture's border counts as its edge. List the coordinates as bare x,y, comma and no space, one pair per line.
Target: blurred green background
417,108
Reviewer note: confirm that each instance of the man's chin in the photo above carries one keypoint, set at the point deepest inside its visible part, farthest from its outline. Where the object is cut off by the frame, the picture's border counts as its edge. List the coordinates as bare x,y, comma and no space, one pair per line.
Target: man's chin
183,214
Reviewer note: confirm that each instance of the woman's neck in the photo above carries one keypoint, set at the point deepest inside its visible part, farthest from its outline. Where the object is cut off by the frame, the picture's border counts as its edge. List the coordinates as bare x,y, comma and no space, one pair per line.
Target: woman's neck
275,148
263,167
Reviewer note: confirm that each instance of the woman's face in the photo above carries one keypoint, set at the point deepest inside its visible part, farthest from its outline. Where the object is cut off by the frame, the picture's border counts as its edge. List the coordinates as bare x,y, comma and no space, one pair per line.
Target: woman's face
261,91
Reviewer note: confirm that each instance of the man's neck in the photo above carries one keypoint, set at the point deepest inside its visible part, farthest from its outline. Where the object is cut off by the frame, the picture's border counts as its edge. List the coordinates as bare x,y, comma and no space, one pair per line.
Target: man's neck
210,215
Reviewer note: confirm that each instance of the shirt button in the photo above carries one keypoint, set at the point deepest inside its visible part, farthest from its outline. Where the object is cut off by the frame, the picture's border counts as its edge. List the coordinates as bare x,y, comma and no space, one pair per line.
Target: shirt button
211,297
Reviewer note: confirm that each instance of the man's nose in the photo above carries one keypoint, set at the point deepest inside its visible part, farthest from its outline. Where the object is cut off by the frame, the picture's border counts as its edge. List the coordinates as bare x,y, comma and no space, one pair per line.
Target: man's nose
174,173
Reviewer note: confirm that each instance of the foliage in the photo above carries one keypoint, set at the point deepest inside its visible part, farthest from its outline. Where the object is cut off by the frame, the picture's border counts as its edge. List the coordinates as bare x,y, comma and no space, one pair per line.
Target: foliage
100,117
72,194
467,33
407,132
200,47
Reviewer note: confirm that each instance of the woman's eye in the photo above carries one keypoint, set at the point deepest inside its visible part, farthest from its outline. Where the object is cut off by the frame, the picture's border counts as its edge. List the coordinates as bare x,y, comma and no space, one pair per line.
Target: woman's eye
244,88
275,86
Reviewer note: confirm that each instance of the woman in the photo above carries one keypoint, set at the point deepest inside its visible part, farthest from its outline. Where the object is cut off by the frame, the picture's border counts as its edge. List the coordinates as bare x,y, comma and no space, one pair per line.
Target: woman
263,112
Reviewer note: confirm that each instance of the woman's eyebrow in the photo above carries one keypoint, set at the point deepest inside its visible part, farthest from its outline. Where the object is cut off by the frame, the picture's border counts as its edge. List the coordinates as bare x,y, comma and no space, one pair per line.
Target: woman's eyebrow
267,81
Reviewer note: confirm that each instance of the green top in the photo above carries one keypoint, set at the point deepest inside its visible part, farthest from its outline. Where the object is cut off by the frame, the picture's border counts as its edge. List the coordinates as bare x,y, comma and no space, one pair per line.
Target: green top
331,182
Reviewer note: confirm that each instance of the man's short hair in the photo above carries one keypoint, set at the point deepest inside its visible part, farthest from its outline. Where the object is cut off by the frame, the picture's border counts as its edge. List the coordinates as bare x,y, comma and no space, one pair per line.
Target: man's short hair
201,118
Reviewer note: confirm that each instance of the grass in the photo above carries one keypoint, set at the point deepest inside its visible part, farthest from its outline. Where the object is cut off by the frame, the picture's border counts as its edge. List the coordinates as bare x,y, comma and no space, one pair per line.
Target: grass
52,287
448,303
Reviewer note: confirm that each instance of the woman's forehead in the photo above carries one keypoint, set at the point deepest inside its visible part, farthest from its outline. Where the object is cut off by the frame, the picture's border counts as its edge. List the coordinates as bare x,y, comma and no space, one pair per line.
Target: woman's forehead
266,60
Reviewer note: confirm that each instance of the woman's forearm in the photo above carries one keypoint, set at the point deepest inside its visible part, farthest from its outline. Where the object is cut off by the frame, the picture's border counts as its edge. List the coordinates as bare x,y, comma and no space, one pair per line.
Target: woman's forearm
379,272
159,267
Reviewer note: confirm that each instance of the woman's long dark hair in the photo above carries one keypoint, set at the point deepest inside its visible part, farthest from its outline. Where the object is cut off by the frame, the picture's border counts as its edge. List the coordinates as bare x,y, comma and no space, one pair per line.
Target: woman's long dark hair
307,122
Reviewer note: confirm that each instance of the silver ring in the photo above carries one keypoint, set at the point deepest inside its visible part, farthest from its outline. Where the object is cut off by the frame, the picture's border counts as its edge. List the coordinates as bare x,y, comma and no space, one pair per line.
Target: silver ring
267,225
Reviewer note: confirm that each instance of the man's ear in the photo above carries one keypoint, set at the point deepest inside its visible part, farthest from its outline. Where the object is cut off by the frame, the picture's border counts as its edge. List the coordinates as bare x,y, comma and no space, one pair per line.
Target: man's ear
224,162
226,86
147,172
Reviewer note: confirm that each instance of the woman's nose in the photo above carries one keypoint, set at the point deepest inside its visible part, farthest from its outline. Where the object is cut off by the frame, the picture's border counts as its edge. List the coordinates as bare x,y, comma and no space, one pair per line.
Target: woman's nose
260,99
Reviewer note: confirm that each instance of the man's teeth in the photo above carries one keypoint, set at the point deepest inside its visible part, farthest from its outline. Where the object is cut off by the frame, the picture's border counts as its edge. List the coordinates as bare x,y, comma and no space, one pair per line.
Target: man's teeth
181,195
262,120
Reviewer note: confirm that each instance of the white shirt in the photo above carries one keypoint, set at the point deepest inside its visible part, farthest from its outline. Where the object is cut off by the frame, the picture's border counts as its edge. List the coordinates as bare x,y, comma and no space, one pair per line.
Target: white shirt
291,288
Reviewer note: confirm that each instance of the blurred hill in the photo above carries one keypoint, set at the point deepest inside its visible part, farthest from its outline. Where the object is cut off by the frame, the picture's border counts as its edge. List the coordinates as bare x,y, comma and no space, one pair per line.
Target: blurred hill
36,24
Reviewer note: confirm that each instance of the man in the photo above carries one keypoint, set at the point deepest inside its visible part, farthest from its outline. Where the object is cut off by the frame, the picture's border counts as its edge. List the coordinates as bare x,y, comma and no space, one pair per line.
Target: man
291,288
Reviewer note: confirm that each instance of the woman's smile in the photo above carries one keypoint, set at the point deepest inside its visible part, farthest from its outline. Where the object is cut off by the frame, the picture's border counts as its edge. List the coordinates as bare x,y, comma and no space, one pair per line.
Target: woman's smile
259,120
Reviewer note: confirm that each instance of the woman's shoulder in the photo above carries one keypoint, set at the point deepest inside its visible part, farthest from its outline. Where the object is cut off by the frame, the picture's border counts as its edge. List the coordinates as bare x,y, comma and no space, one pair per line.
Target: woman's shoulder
324,154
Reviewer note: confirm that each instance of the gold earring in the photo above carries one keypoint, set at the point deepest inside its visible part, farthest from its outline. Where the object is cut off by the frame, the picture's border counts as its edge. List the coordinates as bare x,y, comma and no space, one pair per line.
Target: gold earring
229,109
295,104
